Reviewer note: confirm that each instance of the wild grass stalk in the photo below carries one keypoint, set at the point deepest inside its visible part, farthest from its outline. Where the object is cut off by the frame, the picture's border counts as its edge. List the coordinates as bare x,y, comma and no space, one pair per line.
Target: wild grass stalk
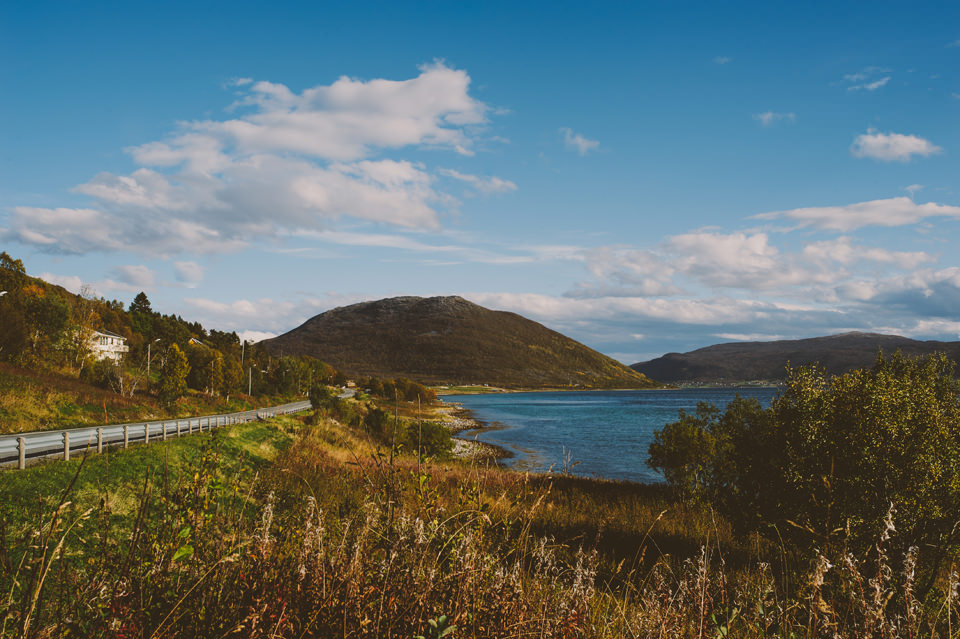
331,539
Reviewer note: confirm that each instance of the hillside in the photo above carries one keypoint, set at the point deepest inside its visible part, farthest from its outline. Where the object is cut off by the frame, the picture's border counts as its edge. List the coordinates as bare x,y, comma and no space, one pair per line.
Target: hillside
448,340
750,361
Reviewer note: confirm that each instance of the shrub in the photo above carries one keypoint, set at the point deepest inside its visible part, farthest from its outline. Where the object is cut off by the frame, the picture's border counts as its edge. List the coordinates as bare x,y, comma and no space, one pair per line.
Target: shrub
830,456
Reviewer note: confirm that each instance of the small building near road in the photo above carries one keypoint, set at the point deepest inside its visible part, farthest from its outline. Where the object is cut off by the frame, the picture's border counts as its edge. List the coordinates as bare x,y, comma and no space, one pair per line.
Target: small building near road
107,345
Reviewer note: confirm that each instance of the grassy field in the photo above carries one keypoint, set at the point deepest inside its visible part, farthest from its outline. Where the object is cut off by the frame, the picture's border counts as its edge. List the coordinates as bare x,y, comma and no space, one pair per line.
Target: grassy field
31,400
301,527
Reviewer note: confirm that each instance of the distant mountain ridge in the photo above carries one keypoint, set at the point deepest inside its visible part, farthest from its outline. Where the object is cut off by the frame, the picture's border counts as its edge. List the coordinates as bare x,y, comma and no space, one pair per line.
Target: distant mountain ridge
448,340
752,361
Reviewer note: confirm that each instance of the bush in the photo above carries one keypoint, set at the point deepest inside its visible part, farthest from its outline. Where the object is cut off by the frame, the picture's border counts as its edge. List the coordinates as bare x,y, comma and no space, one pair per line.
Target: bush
829,457
103,373
321,397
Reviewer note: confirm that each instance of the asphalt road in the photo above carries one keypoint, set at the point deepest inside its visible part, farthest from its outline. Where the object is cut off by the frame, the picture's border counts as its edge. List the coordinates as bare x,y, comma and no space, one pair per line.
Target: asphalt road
63,443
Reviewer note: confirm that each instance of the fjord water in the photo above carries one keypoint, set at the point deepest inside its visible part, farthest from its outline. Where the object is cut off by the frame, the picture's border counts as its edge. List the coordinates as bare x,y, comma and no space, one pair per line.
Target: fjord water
607,432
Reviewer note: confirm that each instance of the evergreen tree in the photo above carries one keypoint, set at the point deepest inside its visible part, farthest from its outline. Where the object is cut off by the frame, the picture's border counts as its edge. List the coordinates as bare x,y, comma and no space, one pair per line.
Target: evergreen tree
141,315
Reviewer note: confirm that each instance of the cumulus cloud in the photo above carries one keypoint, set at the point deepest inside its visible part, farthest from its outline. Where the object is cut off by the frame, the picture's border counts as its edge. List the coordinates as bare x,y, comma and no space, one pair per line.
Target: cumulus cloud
769,118
136,275
738,260
287,161
576,142
842,250
897,211
891,146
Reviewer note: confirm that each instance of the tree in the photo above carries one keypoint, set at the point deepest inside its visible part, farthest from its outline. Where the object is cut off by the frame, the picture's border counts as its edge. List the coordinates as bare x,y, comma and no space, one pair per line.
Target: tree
13,275
232,378
14,335
142,315
46,314
140,304
173,376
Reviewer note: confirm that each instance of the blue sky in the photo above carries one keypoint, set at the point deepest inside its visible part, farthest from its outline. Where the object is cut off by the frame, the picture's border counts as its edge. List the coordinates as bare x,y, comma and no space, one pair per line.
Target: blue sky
642,177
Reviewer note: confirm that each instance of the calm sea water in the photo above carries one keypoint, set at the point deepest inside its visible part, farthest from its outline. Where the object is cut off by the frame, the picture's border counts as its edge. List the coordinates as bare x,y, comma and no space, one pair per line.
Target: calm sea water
608,432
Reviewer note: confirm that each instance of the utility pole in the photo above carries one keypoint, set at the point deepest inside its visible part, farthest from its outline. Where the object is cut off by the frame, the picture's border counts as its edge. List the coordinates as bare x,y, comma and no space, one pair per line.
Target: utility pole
149,344
249,380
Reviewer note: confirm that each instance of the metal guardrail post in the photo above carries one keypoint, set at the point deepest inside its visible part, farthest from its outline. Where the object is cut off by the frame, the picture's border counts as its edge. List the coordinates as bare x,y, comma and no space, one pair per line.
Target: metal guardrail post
66,446
126,436
99,441
22,452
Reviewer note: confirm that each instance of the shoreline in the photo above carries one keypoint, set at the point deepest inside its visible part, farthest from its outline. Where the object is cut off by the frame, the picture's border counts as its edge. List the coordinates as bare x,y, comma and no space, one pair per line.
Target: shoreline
441,393
458,419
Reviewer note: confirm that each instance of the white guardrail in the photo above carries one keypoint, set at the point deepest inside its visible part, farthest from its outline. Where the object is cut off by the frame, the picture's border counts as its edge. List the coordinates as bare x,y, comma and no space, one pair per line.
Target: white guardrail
18,448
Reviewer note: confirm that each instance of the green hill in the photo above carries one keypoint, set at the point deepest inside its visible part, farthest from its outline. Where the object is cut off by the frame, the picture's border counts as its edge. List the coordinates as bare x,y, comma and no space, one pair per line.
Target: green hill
448,340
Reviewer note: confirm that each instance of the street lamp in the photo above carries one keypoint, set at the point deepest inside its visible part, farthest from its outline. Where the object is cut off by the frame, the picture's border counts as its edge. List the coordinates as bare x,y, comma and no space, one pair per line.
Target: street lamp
2,293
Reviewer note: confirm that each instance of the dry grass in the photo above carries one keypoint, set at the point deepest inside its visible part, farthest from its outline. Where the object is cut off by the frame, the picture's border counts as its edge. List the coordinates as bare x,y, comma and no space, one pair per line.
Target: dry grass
332,538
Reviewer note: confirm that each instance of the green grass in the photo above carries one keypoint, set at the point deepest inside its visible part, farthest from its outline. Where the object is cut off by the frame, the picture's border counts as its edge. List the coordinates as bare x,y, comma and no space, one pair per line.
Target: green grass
33,400
118,473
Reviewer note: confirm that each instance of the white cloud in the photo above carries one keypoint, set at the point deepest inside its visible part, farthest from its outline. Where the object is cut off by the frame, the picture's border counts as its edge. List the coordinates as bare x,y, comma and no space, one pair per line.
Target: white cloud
913,189
491,184
63,230
869,79
72,283
462,252
189,273
891,146
255,336
289,161
556,309
722,59
136,275
626,272
769,118
345,120
78,286
576,142
870,86
749,337
266,315
843,251
897,211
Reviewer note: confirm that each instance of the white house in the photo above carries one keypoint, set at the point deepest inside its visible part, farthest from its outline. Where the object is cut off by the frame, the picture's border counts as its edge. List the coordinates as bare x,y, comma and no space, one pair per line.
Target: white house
107,345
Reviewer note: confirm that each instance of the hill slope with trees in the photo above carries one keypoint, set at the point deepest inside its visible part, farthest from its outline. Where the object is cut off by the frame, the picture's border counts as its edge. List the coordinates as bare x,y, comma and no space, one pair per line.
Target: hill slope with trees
448,340
751,361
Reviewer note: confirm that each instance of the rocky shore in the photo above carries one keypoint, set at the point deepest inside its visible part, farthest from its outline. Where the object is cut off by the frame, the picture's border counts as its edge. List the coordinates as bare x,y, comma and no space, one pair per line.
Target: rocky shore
457,420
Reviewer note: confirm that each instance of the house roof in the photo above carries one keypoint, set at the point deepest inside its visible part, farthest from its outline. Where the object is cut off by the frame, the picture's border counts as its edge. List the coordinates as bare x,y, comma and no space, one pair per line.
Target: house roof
109,334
